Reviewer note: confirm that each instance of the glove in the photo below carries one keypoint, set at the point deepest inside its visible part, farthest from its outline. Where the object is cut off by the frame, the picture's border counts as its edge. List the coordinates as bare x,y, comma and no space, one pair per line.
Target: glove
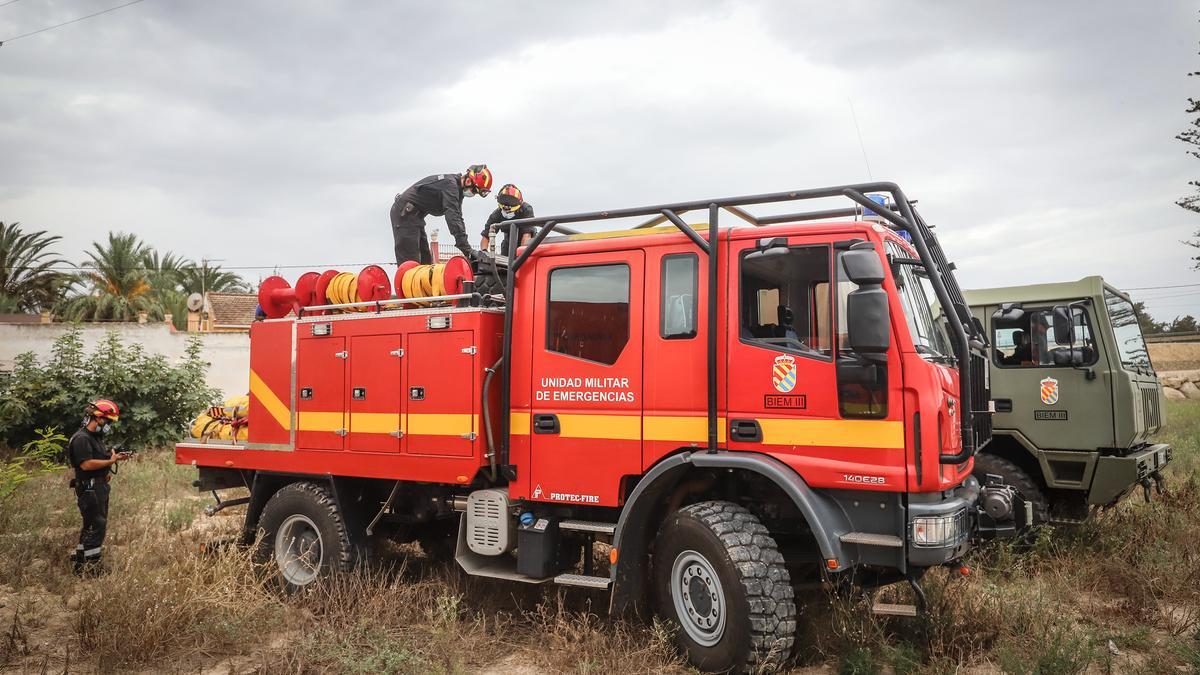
465,247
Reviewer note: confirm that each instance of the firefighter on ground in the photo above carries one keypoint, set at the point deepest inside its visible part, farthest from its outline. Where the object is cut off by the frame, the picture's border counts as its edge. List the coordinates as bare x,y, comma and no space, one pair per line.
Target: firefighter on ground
438,195
92,463
512,205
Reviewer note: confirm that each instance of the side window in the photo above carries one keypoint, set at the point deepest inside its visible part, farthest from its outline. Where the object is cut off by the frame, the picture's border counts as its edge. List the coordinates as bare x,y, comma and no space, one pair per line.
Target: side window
1029,342
588,316
680,283
785,301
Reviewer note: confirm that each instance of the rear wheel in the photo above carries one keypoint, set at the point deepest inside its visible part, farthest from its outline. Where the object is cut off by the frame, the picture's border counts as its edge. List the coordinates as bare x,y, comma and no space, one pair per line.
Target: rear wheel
1015,476
720,577
304,535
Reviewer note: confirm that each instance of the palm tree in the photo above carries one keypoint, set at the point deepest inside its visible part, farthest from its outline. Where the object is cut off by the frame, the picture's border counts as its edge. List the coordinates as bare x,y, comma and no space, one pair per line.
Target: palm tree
28,280
205,277
116,283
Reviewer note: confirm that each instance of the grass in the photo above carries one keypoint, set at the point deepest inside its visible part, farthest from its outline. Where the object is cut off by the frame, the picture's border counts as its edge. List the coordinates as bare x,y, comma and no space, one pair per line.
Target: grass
1119,595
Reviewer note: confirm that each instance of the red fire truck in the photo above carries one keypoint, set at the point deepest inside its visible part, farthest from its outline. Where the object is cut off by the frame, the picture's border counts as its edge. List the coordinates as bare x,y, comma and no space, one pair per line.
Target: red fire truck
735,410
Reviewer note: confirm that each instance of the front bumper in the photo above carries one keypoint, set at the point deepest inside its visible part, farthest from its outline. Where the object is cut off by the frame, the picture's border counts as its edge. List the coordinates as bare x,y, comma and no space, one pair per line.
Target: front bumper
1117,476
948,522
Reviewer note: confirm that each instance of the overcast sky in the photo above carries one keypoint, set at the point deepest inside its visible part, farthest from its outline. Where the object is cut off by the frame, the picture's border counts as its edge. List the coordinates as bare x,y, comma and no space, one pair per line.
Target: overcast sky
1038,136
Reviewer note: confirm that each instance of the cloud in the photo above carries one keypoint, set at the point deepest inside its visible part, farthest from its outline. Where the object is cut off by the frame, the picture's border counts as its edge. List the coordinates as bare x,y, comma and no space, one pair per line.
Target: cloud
1038,137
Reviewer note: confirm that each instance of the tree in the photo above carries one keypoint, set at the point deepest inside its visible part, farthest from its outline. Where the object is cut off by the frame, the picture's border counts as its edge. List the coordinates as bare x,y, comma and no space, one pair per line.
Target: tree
1191,136
116,283
1146,322
1183,324
29,281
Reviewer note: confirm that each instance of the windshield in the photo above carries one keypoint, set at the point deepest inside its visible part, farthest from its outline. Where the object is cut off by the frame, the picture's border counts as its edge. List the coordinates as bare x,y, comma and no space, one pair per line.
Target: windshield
916,291
1130,344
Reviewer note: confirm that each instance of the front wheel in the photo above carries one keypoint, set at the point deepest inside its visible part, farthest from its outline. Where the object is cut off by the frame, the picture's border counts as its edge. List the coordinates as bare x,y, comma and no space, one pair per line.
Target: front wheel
987,463
720,577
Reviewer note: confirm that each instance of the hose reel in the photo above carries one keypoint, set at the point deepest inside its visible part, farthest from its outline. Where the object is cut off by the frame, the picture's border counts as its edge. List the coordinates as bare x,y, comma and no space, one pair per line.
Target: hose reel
278,298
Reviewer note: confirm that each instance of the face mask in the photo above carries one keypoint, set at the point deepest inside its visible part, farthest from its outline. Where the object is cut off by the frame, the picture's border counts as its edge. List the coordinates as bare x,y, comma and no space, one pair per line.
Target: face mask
106,429
508,215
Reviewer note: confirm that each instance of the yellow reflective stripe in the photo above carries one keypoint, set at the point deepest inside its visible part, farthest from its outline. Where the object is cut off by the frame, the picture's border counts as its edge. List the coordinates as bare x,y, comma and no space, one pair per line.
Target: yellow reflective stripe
428,424
833,433
270,401
518,423
321,421
374,423
608,427
680,428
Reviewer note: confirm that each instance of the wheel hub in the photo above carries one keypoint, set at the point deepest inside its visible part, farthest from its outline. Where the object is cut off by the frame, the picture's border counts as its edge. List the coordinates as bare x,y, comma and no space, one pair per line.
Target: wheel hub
298,550
698,598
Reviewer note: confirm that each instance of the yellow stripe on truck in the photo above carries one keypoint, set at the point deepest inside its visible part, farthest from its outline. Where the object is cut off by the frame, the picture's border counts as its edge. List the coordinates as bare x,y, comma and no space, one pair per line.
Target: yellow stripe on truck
428,424
270,401
884,434
607,427
684,429
321,421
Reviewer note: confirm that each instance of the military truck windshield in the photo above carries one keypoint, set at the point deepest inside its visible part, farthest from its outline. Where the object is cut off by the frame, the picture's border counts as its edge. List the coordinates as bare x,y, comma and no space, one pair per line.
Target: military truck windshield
1130,344
928,334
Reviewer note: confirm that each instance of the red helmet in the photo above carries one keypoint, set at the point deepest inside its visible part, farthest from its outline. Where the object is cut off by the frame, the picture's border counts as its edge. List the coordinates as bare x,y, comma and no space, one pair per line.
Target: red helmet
510,197
103,407
478,179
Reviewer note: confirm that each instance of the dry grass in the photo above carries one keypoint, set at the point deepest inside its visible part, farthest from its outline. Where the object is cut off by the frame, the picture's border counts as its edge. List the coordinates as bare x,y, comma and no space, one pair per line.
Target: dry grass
1125,583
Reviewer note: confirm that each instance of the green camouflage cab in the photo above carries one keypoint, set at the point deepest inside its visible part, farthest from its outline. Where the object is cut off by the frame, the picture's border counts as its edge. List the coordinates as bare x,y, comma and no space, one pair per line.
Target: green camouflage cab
1076,398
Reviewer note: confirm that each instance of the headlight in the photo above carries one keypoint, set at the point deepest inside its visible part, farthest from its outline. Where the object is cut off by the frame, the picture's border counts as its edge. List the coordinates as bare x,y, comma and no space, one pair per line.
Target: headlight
946,530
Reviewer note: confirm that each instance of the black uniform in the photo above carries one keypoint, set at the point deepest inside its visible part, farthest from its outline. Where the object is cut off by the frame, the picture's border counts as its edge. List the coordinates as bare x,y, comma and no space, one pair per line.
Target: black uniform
438,195
91,493
497,218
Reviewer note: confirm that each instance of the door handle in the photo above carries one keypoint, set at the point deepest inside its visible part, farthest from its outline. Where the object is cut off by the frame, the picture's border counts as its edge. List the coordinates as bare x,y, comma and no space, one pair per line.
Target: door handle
545,424
1003,405
745,430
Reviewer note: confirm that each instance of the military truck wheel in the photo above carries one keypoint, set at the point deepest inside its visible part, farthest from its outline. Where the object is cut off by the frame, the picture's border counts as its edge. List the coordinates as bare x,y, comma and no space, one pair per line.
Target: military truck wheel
719,576
305,535
1013,475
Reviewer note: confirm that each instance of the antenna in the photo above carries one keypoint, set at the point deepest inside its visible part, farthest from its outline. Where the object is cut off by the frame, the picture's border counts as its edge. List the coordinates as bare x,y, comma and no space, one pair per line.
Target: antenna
860,140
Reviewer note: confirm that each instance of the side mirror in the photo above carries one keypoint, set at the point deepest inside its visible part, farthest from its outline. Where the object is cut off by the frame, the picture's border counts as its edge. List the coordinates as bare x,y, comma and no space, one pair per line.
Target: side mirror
765,248
1069,357
1064,333
1009,311
862,265
869,325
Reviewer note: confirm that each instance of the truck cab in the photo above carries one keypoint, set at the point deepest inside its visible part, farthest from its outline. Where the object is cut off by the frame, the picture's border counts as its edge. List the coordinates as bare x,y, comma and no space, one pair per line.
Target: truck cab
1077,401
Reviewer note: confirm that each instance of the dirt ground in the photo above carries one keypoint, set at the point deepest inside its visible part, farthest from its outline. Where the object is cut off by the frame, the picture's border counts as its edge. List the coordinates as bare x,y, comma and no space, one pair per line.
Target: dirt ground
1118,595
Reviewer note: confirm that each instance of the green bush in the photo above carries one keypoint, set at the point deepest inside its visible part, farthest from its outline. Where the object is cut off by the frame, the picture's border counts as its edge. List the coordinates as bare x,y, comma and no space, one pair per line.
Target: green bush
157,398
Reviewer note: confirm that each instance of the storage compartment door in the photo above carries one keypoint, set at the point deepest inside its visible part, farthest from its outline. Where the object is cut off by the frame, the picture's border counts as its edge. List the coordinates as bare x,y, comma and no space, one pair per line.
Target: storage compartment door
441,394
375,388
321,393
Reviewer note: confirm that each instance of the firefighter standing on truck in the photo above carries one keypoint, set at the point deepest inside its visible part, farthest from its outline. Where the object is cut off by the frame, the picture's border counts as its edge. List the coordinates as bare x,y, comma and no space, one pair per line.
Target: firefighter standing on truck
512,205
92,463
437,195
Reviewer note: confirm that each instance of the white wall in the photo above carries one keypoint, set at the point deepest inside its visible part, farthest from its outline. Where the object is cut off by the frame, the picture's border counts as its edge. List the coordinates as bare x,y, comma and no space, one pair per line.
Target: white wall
227,353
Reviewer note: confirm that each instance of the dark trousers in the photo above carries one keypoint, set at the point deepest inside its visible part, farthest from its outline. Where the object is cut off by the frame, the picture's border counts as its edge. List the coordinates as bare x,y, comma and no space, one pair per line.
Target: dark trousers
92,497
408,233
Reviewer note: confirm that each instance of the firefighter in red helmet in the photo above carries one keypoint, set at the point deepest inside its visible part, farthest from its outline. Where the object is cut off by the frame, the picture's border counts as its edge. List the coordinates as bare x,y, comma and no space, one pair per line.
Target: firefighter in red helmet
438,195
92,462
511,205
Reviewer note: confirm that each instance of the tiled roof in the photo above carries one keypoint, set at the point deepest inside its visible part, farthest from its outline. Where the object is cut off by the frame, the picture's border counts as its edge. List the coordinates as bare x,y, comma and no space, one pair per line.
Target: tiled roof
231,309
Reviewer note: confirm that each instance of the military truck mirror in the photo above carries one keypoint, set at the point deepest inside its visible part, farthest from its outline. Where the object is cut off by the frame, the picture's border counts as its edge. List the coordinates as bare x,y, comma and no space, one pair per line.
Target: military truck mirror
1009,311
1063,333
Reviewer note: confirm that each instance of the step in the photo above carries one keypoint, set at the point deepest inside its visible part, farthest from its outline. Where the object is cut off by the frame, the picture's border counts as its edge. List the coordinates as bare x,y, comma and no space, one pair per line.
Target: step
582,580
869,539
587,526
894,610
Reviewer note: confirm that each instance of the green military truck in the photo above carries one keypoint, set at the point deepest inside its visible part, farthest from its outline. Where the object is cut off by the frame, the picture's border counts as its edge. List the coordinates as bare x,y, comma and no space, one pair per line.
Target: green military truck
1076,399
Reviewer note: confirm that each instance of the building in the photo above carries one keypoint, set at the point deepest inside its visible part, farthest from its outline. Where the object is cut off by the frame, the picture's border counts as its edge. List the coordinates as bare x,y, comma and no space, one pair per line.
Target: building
224,313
